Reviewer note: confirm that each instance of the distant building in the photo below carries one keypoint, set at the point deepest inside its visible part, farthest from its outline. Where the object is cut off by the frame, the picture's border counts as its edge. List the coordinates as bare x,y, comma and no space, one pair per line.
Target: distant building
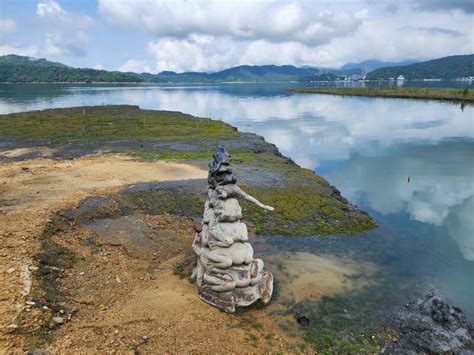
363,72
400,77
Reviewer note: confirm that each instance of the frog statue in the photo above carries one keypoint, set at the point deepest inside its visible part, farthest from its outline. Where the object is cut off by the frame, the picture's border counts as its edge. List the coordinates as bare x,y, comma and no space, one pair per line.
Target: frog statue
227,275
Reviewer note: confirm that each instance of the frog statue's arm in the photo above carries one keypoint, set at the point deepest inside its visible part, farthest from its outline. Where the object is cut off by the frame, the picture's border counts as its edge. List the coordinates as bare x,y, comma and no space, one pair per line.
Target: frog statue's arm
233,190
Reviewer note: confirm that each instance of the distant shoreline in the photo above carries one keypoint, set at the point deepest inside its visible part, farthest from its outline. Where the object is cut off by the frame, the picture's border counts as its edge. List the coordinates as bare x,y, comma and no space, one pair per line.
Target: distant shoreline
443,94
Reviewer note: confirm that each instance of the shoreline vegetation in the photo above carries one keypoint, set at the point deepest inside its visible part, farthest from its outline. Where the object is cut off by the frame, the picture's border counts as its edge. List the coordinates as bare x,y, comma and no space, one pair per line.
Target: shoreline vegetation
457,95
305,204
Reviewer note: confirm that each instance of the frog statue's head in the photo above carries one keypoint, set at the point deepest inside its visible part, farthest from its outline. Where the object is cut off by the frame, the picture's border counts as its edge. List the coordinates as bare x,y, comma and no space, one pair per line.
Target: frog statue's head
220,171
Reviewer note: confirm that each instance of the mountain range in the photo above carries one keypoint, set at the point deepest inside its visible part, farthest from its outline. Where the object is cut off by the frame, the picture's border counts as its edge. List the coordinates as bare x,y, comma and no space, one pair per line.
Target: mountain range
14,68
452,67
19,69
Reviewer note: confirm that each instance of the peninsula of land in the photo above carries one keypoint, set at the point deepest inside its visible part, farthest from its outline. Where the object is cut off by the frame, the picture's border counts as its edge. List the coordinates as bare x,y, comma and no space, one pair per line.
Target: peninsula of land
98,210
455,95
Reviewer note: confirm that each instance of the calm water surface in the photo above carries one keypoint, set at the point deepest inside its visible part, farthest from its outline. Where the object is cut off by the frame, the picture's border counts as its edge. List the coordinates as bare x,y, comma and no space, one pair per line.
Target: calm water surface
409,163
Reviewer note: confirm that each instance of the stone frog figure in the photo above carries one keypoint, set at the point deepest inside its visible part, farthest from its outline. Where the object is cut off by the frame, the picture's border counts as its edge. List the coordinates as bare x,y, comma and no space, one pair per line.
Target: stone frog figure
227,275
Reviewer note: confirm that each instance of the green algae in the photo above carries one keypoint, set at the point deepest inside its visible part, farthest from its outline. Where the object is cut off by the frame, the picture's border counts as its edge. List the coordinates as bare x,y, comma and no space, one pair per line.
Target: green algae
100,123
52,260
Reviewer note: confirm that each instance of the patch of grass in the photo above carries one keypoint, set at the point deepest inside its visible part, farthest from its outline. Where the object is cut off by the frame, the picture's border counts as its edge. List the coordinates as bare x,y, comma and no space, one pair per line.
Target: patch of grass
303,211
239,156
461,95
257,326
252,340
269,338
107,123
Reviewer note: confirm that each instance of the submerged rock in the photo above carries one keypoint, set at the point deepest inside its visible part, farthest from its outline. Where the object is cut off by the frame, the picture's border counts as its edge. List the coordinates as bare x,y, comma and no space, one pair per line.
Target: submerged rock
431,325
226,274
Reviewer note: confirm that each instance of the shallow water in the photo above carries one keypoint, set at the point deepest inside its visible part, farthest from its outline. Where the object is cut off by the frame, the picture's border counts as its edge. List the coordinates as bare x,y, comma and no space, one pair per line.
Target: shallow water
409,163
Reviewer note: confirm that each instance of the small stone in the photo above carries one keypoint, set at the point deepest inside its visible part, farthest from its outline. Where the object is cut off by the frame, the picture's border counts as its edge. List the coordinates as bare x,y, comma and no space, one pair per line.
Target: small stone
145,337
58,320
81,273
11,270
33,268
116,331
118,279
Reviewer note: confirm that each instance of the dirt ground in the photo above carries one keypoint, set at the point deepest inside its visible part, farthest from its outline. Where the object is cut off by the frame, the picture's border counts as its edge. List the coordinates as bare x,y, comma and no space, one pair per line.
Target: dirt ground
116,298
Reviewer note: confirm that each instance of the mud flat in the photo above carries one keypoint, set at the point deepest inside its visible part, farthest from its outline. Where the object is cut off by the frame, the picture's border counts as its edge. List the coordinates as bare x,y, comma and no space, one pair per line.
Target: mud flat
98,210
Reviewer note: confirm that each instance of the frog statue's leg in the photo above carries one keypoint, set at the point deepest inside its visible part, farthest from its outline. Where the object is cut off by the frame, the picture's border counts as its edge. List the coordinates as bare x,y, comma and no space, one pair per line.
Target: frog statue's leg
219,281
233,190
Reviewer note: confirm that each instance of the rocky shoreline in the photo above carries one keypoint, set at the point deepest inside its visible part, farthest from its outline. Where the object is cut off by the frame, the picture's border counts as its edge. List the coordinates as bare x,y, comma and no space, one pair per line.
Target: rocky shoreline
430,325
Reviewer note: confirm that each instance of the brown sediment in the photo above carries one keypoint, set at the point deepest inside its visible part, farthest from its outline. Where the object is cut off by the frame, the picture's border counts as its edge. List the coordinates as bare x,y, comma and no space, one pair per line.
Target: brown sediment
30,191
304,276
110,296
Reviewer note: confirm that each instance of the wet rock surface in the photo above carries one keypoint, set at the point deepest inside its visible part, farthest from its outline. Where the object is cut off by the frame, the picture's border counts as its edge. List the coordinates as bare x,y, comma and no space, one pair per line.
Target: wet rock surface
431,325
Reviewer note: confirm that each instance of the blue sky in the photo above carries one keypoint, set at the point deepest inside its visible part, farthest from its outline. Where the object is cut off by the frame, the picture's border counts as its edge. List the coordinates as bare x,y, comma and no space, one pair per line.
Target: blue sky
209,35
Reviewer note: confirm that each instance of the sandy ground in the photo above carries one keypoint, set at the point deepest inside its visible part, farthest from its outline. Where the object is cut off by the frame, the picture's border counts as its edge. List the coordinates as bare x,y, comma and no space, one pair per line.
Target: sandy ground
123,294
31,190
116,300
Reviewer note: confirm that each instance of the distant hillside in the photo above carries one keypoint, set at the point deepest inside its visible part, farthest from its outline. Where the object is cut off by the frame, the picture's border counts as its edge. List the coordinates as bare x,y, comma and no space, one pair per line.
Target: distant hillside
443,68
375,64
14,68
242,73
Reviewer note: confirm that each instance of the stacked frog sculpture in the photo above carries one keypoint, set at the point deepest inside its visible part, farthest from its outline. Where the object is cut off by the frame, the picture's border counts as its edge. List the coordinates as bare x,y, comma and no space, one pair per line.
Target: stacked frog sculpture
227,275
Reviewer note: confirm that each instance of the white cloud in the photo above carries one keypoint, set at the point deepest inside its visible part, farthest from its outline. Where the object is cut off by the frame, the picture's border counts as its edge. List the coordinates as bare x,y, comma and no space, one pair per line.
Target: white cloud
55,16
31,51
7,25
66,31
194,53
136,66
212,35
304,22
60,44
51,8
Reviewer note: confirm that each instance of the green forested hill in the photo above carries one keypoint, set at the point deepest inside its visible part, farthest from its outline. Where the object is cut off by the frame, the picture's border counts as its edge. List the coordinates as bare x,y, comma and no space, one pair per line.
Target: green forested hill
14,68
443,68
254,73
17,69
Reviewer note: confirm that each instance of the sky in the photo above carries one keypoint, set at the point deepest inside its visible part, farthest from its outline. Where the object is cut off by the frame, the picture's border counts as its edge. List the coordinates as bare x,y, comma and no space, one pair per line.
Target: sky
211,35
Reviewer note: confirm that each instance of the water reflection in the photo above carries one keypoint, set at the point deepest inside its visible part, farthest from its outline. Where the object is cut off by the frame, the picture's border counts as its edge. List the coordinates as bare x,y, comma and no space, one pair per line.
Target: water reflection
440,189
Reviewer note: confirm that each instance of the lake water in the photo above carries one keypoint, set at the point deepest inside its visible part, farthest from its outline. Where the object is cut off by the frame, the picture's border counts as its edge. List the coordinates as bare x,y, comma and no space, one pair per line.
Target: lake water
409,163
